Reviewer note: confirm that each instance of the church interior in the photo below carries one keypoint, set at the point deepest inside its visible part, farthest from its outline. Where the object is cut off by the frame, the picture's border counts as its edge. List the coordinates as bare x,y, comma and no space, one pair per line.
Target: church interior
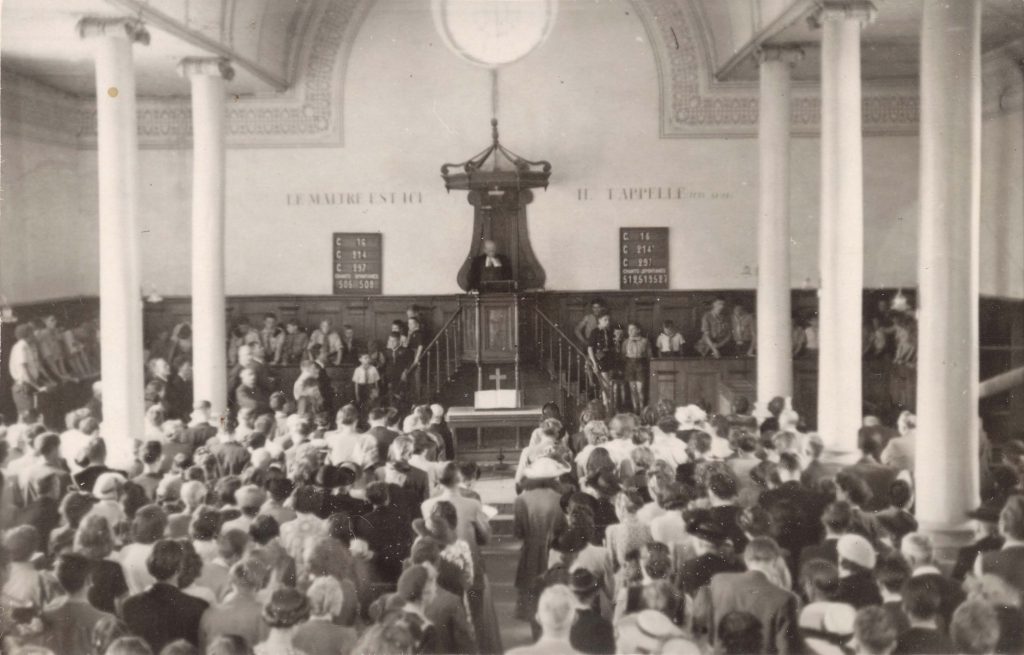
810,209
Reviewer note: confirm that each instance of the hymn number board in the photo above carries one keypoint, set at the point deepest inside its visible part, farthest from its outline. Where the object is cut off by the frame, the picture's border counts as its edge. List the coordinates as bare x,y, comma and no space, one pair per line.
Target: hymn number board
357,263
643,258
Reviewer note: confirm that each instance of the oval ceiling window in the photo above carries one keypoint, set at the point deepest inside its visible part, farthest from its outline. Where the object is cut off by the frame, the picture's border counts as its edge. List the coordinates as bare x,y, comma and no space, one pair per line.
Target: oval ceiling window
492,33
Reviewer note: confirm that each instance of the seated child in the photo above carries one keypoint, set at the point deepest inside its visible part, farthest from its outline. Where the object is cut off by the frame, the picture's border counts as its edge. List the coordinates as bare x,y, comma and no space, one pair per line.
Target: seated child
670,341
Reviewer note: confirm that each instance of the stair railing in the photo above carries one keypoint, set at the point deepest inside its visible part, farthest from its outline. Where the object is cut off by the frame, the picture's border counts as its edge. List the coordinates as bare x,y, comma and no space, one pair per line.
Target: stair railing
439,361
566,363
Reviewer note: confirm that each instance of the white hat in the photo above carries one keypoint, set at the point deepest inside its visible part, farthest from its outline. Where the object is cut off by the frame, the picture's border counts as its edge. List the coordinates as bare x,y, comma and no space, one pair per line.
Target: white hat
545,468
108,486
690,417
856,549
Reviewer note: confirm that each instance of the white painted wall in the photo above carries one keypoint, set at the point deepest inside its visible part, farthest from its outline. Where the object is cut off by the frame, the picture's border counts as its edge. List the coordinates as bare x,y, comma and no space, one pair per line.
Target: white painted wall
587,101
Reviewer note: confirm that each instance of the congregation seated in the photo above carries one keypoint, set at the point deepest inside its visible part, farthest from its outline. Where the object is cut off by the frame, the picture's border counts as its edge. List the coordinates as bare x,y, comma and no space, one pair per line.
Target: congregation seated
280,525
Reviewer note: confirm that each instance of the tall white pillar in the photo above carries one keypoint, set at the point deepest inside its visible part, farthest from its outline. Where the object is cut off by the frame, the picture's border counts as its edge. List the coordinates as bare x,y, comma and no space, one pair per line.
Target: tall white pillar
842,228
120,262
774,320
209,334
947,380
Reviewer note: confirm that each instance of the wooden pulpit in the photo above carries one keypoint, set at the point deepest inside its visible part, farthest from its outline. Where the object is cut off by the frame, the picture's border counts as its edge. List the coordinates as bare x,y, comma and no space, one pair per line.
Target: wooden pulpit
490,323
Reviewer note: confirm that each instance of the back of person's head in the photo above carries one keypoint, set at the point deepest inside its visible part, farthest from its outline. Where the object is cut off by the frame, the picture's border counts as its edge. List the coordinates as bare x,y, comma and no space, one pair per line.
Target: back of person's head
1011,518
229,645
308,499
378,414
325,597
377,494
264,528
922,597
129,645
837,517
776,405
975,628
93,538
874,631
193,493
46,444
425,550
232,544
21,542
348,415
205,524
248,573
401,449
149,524
722,484
151,452
918,549
225,489
280,488
789,466
556,610
820,579
450,475
900,494
179,647
891,571
165,559
761,551
740,633
249,499
73,570
74,506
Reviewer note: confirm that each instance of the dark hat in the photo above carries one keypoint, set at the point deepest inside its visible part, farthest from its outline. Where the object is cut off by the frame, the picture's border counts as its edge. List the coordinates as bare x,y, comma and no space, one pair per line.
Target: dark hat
328,476
605,482
346,475
286,607
701,524
582,582
988,511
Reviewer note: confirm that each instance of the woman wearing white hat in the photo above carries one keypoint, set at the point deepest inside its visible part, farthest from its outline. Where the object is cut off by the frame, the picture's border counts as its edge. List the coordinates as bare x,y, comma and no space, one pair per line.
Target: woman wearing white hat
538,512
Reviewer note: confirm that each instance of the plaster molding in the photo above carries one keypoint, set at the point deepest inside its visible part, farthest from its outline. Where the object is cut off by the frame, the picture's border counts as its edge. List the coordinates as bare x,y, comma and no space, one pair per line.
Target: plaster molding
128,28
694,104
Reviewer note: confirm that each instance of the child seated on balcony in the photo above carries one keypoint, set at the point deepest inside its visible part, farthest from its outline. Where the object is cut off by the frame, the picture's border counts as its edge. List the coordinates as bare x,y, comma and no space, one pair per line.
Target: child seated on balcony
293,346
670,341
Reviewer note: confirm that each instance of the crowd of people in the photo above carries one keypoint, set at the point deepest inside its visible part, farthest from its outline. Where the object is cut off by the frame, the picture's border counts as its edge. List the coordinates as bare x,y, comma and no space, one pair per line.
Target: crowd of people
676,532
666,532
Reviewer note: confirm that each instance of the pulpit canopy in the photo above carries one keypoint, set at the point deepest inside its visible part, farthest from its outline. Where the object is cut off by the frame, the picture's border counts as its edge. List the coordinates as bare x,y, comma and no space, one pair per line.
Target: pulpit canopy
506,170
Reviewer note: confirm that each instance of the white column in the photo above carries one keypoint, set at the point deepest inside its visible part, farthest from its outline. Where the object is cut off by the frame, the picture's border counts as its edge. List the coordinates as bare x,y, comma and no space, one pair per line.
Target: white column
842,228
120,262
946,469
209,334
774,321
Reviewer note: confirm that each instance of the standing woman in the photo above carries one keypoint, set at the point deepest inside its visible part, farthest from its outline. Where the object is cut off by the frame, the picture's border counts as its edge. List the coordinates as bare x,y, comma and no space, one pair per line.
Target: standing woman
538,513
600,350
636,353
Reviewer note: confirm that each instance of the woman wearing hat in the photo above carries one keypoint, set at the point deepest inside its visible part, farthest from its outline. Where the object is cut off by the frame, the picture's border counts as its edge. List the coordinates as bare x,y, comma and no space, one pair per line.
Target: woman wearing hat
283,613
629,533
538,512
455,552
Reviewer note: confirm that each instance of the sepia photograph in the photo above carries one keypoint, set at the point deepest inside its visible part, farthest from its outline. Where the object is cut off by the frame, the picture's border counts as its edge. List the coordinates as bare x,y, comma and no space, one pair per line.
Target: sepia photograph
538,327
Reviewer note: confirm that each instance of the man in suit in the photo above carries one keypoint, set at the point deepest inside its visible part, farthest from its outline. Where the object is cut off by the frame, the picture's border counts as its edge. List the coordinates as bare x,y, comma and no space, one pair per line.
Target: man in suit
162,613
1008,561
877,476
795,510
70,619
917,548
489,267
752,591
379,430
386,530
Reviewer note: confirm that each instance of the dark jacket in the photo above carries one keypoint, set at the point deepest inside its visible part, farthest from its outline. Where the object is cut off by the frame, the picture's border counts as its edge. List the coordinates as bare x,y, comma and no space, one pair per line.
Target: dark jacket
923,641
163,614
826,551
592,633
387,532
751,592
1007,563
476,270
453,632
858,590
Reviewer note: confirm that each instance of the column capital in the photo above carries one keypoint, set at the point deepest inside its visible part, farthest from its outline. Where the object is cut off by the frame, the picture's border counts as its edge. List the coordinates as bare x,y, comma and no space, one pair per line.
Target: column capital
131,28
828,10
213,66
788,54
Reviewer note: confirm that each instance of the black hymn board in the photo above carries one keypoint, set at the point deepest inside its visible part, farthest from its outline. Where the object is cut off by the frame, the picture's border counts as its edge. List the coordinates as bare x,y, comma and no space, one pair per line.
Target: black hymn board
358,262
643,258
